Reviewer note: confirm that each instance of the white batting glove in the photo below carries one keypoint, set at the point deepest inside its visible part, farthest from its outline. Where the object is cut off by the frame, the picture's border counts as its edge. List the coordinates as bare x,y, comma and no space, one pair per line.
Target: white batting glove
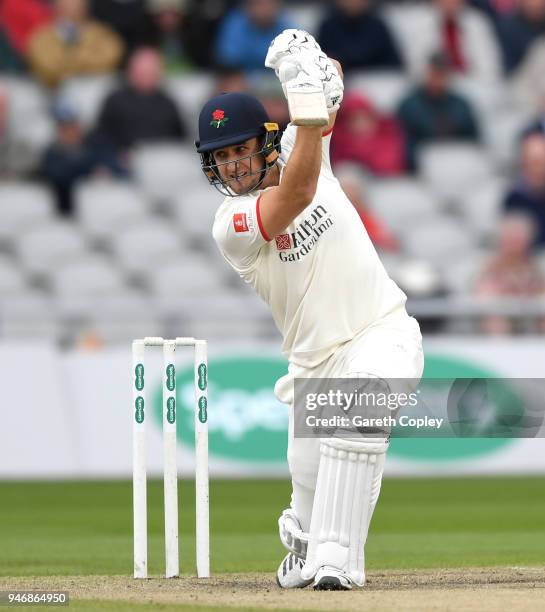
317,68
289,42
301,82
295,79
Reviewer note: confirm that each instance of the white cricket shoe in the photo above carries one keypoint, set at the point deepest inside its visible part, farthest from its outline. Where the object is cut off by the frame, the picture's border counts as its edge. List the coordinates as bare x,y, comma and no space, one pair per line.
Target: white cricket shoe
331,579
288,575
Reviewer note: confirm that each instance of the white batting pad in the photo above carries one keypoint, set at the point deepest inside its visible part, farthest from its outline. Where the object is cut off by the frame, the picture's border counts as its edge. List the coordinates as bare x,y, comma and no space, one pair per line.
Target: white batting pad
347,489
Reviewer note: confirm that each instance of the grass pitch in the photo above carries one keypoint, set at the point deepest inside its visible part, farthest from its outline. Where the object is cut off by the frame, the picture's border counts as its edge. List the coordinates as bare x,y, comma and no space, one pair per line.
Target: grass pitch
57,529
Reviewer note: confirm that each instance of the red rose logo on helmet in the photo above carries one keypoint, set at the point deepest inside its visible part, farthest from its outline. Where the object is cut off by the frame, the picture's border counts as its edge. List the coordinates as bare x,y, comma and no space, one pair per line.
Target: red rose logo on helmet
218,118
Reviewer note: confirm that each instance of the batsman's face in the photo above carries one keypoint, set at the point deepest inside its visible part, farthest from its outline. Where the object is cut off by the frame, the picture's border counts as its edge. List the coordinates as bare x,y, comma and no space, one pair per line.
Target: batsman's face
240,165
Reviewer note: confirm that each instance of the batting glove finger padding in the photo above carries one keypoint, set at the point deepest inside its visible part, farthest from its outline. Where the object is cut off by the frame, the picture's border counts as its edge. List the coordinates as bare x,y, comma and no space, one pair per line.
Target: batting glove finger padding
289,42
302,68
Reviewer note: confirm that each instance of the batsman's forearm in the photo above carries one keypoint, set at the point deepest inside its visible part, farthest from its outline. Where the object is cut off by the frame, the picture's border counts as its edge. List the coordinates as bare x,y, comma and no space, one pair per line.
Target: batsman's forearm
300,177
280,205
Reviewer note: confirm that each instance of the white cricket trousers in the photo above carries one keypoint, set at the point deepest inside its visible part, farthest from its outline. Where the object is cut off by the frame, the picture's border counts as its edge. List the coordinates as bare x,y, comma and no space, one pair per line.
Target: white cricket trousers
389,348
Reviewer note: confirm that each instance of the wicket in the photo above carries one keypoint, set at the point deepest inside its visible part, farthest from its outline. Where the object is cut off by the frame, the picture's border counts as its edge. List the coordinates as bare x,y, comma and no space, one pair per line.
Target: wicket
170,469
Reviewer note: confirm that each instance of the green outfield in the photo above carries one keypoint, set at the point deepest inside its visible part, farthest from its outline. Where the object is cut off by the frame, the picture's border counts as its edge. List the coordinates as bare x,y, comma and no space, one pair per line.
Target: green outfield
85,528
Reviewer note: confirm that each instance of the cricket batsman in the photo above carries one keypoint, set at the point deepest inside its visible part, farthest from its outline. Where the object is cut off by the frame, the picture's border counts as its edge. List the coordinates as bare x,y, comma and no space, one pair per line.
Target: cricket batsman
288,229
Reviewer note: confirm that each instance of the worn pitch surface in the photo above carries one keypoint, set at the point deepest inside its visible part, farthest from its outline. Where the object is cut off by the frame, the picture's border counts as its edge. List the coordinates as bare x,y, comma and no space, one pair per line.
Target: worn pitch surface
512,588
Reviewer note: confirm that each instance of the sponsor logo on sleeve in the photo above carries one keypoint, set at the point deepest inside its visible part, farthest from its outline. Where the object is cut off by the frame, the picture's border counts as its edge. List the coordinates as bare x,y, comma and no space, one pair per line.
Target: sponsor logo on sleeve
240,223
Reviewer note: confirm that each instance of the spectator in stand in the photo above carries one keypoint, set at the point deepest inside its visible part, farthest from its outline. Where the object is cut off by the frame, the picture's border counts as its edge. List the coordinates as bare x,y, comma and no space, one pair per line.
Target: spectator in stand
353,184
72,45
518,30
140,111
511,272
357,37
20,18
74,155
246,33
433,112
527,196
171,27
461,32
129,18
364,136
203,19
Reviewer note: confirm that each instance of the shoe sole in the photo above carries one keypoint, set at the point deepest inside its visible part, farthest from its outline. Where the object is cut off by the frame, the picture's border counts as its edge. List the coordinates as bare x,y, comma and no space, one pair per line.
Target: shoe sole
330,583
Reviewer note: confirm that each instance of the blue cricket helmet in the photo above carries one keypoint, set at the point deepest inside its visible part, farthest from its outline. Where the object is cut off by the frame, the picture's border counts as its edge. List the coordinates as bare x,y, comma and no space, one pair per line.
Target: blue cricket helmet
230,119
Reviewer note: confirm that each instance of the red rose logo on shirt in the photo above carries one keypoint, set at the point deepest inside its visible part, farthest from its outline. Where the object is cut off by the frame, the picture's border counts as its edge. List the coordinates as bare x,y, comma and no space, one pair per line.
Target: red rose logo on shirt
240,222
218,118
283,242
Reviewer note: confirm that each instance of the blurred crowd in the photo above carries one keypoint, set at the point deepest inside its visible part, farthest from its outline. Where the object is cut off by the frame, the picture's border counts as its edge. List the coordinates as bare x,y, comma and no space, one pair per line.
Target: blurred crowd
470,70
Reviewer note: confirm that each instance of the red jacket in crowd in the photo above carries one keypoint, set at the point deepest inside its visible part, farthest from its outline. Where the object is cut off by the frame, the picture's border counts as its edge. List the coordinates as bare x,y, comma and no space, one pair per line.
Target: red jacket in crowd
19,18
364,136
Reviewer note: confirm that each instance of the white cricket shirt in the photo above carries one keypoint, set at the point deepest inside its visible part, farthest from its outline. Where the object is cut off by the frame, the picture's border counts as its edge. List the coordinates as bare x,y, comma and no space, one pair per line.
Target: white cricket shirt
321,277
